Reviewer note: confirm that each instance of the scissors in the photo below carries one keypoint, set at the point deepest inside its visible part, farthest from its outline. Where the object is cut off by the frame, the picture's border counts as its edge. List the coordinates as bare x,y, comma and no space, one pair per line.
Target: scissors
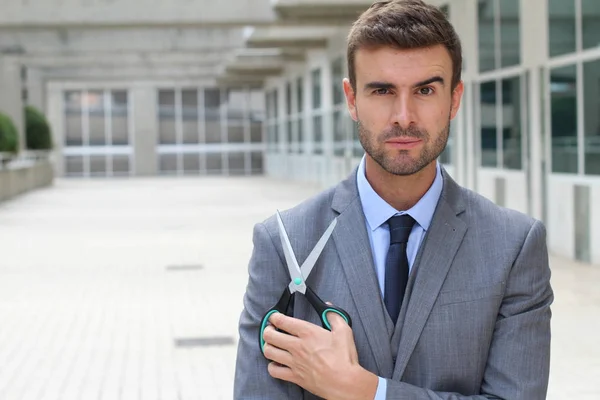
298,277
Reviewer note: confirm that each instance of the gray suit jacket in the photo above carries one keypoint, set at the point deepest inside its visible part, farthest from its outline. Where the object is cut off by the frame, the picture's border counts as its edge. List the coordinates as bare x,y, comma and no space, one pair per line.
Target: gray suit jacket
475,322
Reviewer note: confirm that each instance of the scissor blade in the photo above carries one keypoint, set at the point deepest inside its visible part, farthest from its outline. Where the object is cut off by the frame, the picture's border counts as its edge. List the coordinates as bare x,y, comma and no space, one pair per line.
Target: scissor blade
288,251
312,258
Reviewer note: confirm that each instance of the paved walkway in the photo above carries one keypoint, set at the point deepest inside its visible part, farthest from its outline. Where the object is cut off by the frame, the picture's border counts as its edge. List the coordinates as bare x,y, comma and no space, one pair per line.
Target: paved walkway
131,289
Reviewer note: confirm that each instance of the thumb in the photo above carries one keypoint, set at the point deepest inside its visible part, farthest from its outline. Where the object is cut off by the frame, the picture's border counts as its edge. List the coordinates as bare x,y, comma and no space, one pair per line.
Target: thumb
335,320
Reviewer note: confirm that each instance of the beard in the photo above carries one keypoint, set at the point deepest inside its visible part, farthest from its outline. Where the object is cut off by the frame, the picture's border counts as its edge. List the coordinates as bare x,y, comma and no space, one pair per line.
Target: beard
400,162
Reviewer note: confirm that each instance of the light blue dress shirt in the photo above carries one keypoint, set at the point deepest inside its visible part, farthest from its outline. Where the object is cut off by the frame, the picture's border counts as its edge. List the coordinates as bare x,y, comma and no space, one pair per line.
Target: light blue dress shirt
377,212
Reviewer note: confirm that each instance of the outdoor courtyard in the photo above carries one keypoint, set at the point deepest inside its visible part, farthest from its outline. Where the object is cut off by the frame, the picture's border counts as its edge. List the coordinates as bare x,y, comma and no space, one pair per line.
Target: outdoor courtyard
132,289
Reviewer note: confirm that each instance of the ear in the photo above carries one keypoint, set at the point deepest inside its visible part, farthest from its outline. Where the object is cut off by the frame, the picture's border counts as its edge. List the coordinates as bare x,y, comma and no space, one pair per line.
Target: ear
350,99
456,98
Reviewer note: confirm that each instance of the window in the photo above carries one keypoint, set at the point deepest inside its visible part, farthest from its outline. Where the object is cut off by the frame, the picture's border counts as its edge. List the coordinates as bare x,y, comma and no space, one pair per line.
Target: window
212,115
339,132
590,12
120,120
73,120
357,149
214,130
339,113
300,94
499,34
256,115
487,44
316,89
189,116
563,98
446,156
571,31
291,142
591,96
96,133
561,26
166,117
300,116
236,104
318,134
272,121
501,123
94,100
317,119
511,124
488,123
337,77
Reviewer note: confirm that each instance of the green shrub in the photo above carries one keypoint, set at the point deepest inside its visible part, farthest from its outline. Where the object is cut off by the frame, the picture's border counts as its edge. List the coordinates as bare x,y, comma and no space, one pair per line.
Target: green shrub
9,137
37,130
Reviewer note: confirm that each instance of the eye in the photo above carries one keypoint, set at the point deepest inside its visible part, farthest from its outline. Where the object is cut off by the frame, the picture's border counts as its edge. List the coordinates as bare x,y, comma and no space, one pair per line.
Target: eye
426,91
381,91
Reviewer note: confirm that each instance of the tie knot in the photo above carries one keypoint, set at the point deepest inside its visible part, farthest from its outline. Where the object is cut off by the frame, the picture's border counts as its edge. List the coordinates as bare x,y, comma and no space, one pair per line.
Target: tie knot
400,227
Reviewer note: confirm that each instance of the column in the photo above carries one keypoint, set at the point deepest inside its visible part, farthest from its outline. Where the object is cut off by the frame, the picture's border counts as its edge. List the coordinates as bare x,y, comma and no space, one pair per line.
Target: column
327,175
463,15
534,53
36,91
11,95
56,118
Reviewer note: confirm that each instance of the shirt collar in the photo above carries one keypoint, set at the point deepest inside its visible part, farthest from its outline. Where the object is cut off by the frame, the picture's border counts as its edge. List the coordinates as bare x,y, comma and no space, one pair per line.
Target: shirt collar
378,211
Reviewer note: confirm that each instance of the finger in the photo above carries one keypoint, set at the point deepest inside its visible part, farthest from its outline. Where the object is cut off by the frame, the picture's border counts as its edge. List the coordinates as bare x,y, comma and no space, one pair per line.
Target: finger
336,321
291,325
281,372
279,339
278,355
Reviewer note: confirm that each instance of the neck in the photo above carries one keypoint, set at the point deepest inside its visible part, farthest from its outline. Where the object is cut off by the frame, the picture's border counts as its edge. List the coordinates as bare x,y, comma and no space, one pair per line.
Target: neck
401,192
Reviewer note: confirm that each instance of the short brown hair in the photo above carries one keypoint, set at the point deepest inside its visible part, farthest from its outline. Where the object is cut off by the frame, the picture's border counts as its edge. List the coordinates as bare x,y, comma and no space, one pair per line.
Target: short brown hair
403,24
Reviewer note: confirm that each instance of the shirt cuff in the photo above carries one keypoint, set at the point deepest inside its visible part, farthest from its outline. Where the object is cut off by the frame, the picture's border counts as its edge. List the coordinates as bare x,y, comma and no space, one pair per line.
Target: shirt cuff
381,389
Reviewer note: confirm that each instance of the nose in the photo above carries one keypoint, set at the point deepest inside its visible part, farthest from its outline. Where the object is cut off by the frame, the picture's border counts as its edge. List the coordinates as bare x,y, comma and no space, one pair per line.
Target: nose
404,113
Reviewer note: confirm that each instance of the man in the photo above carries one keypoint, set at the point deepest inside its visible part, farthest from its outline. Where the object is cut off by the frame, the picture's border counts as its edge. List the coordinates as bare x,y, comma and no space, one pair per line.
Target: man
460,311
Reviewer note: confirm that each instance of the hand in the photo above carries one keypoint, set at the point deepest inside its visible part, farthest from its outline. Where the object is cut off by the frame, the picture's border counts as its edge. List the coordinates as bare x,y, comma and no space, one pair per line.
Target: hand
324,363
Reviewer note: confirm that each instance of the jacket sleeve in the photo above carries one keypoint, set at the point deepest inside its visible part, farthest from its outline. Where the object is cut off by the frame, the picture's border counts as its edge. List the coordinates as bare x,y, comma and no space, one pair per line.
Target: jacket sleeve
519,358
267,278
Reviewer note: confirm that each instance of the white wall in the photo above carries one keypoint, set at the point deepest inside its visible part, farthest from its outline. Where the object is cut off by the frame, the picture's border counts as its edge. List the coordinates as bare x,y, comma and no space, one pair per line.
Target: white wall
560,225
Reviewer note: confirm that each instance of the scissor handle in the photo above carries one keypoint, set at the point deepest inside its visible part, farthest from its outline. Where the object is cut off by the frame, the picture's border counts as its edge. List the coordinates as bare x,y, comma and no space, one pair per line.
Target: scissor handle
323,309
282,306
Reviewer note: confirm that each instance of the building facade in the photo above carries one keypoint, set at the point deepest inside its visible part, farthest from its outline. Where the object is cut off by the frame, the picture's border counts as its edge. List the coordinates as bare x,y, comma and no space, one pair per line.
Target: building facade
528,132
259,90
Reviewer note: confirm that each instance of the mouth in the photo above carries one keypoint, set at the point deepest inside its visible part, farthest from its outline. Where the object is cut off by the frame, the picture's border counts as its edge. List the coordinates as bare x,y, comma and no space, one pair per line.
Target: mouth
403,143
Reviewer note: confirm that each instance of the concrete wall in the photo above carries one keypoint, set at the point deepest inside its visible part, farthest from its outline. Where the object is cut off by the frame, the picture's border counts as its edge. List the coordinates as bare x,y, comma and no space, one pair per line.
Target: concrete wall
14,182
11,102
133,12
93,42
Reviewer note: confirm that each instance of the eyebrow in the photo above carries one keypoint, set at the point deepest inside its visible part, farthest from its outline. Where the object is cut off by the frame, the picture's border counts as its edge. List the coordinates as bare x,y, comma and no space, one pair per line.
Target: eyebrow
429,81
387,85
379,85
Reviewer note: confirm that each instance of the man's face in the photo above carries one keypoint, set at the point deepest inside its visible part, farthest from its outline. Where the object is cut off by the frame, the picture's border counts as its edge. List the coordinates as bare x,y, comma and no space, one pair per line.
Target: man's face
403,104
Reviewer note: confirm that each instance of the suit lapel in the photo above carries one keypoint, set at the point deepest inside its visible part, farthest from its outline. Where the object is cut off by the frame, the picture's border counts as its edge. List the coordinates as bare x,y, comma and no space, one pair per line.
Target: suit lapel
442,241
353,245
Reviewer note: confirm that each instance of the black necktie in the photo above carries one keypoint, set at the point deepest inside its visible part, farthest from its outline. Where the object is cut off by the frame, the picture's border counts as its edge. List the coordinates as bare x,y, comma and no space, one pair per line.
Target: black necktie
396,264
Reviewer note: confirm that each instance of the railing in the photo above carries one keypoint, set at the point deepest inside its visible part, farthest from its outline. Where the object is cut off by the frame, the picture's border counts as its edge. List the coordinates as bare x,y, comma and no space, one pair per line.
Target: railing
23,159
